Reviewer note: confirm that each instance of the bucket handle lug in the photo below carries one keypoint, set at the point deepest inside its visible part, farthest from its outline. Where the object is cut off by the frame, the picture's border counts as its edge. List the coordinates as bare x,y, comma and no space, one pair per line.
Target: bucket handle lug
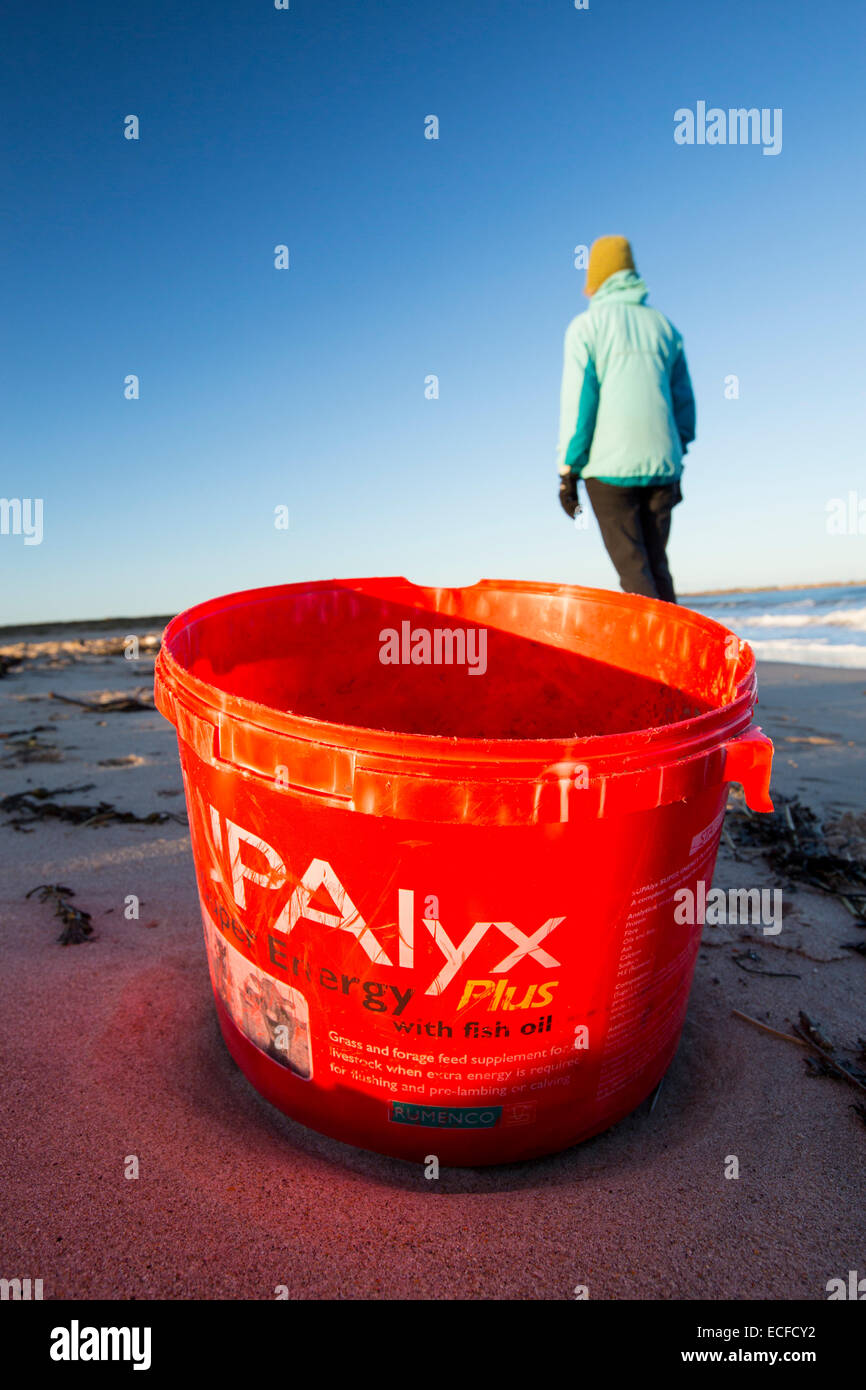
749,761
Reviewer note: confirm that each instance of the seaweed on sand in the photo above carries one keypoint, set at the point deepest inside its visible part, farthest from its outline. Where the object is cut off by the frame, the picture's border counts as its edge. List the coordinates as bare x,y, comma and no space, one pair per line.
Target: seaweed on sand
141,699
24,808
824,1059
795,845
76,922
25,746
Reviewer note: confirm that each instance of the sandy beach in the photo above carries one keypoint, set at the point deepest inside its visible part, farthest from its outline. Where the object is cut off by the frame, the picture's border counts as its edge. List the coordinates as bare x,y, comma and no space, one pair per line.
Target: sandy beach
111,1049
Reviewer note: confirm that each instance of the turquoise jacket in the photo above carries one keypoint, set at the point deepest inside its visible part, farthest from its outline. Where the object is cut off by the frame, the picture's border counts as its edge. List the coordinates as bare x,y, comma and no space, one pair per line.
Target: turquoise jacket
627,411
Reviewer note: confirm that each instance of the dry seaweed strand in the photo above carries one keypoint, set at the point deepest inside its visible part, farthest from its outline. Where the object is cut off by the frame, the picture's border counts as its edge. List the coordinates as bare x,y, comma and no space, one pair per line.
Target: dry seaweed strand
808,1035
116,703
791,950
794,843
739,957
789,818
25,746
76,922
765,1028
811,1030
831,1062
24,808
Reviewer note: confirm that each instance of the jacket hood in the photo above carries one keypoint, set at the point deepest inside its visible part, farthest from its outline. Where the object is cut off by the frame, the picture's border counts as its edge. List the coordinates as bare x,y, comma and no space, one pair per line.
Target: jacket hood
625,286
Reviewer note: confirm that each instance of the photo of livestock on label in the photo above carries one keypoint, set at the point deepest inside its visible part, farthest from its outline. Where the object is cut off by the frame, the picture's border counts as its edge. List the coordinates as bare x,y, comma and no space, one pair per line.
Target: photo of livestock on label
271,1014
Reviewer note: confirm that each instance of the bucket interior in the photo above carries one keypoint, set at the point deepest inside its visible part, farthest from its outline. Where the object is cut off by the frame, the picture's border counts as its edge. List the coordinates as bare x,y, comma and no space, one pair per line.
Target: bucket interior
558,663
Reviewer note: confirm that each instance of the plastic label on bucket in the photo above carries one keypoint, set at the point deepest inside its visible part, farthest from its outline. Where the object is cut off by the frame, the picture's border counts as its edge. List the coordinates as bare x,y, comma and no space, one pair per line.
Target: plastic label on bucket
524,1025
273,1016
708,833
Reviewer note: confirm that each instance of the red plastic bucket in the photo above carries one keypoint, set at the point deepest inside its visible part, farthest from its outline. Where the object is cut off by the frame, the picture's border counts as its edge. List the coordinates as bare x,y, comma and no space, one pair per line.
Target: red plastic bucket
437,836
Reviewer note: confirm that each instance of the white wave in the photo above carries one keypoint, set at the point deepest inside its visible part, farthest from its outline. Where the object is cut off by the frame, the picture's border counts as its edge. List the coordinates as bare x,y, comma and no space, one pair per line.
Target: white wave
852,618
811,653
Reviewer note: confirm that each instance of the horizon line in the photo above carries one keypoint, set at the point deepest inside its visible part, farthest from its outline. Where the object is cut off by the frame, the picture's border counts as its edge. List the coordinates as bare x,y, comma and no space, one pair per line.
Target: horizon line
162,619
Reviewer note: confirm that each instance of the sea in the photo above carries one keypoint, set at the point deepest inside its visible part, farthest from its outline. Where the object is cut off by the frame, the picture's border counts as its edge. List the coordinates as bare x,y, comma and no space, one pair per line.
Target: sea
814,627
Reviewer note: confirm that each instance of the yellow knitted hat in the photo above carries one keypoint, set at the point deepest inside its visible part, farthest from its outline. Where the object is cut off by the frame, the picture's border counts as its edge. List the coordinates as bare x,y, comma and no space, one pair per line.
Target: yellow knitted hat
607,255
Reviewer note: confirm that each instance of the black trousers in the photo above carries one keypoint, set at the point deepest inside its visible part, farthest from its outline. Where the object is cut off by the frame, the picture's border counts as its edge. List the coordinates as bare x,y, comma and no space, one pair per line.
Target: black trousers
635,524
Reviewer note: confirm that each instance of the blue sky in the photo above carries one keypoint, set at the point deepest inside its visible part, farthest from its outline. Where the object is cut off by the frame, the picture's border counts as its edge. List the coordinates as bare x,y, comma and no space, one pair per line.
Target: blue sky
408,257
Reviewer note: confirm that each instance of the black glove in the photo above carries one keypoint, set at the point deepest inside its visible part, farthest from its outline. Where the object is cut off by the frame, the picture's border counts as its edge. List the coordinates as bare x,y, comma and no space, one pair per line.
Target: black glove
568,498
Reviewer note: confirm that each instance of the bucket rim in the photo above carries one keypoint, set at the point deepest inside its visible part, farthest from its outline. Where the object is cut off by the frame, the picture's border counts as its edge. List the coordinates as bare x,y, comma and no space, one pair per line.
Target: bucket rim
523,756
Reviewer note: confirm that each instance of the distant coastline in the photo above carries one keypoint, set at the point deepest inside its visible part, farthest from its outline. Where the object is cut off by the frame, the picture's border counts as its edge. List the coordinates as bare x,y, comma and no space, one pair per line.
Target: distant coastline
776,588
133,625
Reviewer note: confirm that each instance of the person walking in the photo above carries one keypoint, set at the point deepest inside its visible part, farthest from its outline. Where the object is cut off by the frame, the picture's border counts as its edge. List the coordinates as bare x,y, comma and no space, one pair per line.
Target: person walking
627,417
